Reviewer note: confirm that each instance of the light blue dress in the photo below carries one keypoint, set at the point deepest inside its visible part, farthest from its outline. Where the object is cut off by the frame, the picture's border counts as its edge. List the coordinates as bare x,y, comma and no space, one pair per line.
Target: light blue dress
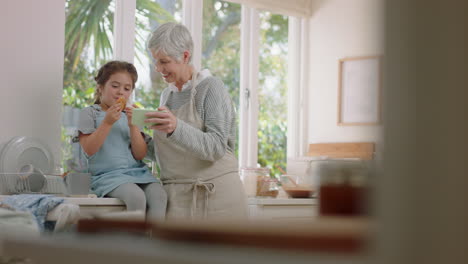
114,163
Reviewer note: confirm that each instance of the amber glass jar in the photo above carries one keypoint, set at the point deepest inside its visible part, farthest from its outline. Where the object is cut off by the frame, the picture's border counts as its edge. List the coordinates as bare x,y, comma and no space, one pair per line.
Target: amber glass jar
344,188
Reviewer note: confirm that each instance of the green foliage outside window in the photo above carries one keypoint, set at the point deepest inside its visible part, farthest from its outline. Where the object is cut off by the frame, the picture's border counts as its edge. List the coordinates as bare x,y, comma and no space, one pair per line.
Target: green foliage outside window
272,127
221,43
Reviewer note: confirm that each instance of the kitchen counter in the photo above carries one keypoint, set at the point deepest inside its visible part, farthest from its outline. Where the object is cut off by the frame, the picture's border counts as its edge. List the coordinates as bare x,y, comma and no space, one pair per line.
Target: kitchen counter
258,207
250,201
317,242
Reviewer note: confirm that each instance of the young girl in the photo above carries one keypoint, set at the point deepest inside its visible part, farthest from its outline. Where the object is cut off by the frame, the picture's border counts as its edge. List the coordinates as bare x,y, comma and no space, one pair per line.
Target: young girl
114,147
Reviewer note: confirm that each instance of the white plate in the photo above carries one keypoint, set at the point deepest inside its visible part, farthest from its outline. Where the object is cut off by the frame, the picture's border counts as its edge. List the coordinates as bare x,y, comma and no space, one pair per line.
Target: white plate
21,151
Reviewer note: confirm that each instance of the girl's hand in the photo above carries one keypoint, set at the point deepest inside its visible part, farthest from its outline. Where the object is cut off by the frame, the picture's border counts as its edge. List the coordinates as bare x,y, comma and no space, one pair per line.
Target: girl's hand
112,114
165,120
129,111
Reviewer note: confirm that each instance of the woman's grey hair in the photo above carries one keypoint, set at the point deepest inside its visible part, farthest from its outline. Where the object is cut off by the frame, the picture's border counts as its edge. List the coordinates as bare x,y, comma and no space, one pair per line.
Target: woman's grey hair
172,39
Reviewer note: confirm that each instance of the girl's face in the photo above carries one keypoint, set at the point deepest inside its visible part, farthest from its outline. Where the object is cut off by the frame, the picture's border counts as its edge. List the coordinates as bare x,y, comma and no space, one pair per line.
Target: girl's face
170,69
120,84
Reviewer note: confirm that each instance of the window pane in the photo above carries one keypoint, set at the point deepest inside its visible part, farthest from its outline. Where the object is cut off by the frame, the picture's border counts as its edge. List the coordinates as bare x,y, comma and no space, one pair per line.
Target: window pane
221,44
272,93
149,15
88,44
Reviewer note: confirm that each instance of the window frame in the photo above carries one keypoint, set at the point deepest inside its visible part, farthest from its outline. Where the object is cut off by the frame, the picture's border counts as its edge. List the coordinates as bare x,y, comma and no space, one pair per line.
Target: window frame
124,30
249,83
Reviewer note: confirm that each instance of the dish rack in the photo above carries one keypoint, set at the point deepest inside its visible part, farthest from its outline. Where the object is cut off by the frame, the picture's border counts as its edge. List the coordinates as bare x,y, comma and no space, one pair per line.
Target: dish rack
18,183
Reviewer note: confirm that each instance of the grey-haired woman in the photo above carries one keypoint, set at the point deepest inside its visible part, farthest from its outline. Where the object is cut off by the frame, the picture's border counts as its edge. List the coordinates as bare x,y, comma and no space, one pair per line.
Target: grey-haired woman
195,133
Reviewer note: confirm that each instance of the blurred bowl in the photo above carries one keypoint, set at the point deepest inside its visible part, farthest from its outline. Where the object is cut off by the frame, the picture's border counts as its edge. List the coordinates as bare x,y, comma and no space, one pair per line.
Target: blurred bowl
299,191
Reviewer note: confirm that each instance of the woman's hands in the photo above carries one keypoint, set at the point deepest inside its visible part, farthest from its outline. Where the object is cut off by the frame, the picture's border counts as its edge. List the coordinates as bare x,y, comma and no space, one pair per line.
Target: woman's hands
112,114
164,120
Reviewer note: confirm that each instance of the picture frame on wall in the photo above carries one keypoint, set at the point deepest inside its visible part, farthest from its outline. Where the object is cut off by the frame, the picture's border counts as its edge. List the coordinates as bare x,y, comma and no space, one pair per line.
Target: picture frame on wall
360,91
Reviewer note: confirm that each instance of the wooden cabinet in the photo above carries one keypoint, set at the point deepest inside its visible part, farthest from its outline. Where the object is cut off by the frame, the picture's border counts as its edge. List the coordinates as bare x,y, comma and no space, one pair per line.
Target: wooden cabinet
282,209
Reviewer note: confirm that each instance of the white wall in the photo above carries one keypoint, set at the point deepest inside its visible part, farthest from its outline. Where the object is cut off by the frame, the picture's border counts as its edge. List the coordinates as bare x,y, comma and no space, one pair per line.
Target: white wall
31,69
338,29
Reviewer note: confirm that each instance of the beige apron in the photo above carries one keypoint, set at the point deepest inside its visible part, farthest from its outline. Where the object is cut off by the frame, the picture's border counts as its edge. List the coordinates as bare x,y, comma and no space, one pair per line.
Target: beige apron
198,189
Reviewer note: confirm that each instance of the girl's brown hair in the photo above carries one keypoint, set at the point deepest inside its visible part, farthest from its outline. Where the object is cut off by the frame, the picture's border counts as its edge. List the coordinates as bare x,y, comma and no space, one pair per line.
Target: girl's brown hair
106,71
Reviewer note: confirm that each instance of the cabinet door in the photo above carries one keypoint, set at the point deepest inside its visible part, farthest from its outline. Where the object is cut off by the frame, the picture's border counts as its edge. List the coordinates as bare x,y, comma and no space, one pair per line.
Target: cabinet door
282,212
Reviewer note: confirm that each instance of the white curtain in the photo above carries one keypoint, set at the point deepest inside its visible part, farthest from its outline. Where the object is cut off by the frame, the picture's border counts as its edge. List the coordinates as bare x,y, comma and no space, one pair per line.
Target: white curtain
299,8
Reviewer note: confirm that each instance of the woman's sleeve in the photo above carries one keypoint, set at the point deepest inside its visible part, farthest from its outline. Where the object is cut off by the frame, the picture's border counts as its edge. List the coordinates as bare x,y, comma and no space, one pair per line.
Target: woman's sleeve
212,143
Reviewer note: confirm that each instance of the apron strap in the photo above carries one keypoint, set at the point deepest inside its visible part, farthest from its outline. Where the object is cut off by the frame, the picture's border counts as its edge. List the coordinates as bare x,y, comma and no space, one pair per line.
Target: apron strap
194,84
205,184
209,189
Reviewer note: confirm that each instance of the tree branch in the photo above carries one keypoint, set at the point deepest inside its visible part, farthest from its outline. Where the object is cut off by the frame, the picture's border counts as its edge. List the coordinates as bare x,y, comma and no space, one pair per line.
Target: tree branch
231,19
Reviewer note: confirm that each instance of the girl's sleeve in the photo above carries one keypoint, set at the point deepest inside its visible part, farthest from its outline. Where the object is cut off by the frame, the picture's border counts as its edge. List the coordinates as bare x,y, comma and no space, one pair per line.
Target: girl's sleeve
86,123
212,143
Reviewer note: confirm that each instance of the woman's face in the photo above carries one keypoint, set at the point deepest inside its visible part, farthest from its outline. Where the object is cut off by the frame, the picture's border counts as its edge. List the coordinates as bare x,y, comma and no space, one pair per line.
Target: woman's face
169,68
120,84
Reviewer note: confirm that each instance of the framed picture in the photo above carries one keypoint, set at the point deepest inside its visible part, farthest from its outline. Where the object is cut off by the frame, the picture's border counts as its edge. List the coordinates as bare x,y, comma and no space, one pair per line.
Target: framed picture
359,91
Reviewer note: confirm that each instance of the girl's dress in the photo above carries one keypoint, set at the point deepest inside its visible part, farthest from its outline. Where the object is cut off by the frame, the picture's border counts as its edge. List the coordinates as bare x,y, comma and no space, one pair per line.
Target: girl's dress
114,163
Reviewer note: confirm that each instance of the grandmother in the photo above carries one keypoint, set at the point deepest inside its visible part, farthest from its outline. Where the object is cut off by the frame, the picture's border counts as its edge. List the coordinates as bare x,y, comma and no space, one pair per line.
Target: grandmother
194,133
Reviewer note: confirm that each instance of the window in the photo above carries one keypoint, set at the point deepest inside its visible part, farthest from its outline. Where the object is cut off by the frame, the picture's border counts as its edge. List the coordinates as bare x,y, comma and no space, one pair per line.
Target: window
246,48
272,91
89,34
221,44
148,16
220,53
88,43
